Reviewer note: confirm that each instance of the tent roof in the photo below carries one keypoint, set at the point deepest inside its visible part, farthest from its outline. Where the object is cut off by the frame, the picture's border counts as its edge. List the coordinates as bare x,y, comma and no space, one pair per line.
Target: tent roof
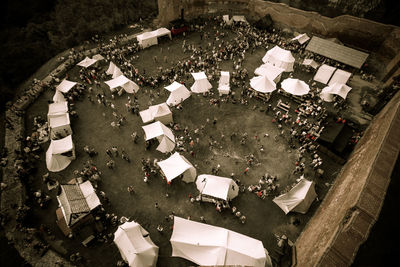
146,35
269,70
225,73
301,38
116,82
340,76
58,108
174,166
337,89
114,70
324,73
262,84
65,86
295,86
87,62
239,18
281,54
58,97
89,194
310,62
62,145
154,112
201,84
216,186
174,86
98,57
157,129
199,75
162,31
178,93
59,120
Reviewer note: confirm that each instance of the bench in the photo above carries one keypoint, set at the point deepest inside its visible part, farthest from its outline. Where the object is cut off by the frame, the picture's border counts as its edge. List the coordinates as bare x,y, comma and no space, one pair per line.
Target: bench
283,106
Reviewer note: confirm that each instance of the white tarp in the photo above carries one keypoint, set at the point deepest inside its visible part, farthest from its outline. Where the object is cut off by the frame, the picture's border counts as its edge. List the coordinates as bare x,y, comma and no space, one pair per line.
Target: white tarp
147,39
65,86
135,245
87,62
58,97
301,38
310,62
163,134
59,125
160,112
98,57
272,72
226,19
335,89
179,93
223,84
325,95
122,81
56,162
216,186
324,73
176,165
262,84
295,86
239,19
57,108
163,31
340,77
90,195
201,84
209,245
114,70
280,58
298,199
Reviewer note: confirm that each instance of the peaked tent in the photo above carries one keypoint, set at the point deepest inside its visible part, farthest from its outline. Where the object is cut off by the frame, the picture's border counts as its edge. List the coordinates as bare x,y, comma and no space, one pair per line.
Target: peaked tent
270,71
59,97
135,245
217,186
280,58
223,84
311,63
114,70
298,199
340,76
163,134
179,93
201,84
59,125
295,86
301,38
176,165
65,86
324,73
209,245
125,83
57,108
262,84
337,89
87,62
55,161
160,112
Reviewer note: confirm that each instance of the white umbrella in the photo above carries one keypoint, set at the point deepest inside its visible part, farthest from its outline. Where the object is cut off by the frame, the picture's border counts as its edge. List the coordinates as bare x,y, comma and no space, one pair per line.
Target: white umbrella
295,86
262,84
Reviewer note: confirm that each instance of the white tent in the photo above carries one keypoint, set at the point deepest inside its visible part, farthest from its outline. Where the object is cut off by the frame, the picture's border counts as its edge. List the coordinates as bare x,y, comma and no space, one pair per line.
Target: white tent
280,58
90,195
272,72
310,62
325,95
223,84
163,134
179,93
160,112
135,245
58,97
216,186
239,19
262,84
298,199
301,38
226,19
98,57
57,108
147,39
176,165
59,125
340,77
122,81
55,161
65,86
114,70
335,89
163,31
295,86
87,62
324,73
201,84
209,245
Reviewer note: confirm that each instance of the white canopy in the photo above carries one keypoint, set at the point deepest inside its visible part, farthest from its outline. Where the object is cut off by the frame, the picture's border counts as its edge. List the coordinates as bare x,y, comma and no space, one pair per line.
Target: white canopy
98,57
201,84
226,19
56,162
335,89
114,70
295,86
280,58
176,165
262,84
135,245
298,199
325,95
310,62
239,18
122,81
90,195
209,245
163,134
163,31
272,72
58,97
324,73
59,125
87,62
179,93
301,38
223,84
340,77
57,108
147,39
216,186
160,112
65,86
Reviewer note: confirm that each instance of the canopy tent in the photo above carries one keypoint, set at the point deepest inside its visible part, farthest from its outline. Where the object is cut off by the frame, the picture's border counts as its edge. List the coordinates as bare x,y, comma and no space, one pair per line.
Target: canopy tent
147,39
98,57
223,84
58,97
135,245
87,62
162,32
270,71
311,63
227,20
324,73
298,199
280,58
216,186
238,18
335,89
340,76
179,93
57,108
60,125
65,86
125,83
176,165
209,245
163,134
295,86
262,84
114,70
325,95
301,38
201,84
55,161
160,112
